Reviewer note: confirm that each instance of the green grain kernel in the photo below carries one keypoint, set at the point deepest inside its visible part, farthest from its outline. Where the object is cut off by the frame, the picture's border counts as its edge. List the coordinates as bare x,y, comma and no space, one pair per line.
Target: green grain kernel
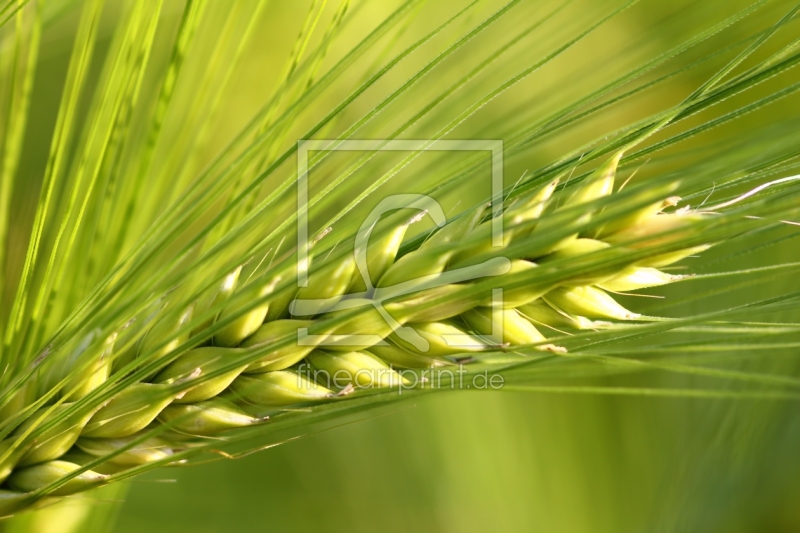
206,418
589,302
541,313
634,278
359,369
400,358
195,364
285,330
149,450
503,326
55,441
130,411
278,388
245,325
40,476
440,339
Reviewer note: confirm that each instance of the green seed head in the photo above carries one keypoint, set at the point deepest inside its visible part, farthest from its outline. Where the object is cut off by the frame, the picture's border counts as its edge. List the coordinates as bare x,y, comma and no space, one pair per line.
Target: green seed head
431,319
165,330
662,260
358,369
329,282
454,231
381,254
10,453
598,184
578,248
420,307
503,326
541,313
440,339
245,325
399,358
40,476
634,278
516,296
206,418
77,456
220,293
55,441
413,267
152,449
589,302
662,230
282,357
531,207
130,411
638,216
280,301
20,399
88,379
278,388
11,502
196,363
348,332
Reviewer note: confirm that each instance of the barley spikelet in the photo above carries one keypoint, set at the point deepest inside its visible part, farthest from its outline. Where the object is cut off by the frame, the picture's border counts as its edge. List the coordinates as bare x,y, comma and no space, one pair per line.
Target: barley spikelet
367,329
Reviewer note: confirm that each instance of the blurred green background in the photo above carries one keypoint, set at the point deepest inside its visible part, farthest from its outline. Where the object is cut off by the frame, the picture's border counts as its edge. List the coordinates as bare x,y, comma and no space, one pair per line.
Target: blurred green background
498,461
503,462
